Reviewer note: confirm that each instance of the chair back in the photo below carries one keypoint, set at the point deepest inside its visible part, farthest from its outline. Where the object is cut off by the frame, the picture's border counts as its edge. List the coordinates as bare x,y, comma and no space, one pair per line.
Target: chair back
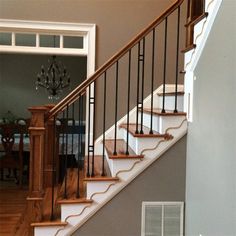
8,138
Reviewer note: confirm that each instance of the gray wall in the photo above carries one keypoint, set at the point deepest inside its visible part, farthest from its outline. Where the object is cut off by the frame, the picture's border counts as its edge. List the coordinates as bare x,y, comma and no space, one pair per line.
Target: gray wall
117,23
18,74
211,144
164,180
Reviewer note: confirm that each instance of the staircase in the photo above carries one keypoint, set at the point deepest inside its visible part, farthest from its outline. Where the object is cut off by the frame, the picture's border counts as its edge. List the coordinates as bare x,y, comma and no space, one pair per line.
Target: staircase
134,114
143,150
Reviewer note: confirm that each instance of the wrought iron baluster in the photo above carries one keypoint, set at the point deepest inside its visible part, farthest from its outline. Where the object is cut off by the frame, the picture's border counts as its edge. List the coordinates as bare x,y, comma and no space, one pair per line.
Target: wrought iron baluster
104,122
72,129
82,129
137,101
66,156
142,89
152,78
79,148
94,114
177,62
128,104
116,107
53,167
164,73
89,114
91,139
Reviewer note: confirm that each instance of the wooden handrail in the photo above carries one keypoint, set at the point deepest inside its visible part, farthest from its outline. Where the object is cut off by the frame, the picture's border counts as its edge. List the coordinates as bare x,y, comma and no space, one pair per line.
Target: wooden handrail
70,98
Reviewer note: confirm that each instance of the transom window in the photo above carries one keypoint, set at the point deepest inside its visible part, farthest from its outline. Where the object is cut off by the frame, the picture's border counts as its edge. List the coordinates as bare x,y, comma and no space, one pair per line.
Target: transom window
46,37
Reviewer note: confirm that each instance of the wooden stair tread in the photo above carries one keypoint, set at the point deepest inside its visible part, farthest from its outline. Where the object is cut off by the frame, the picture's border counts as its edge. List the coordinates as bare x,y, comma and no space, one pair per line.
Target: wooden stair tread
157,111
101,178
49,223
197,19
146,130
74,201
180,93
121,150
188,48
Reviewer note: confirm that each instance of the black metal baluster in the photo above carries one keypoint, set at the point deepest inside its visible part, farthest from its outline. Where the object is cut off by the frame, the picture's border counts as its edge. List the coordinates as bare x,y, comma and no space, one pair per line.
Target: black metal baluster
91,140
116,107
79,149
104,122
128,104
72,129
164,73
94,113
177,63
82,144
142,89
137,102
89,114
62,144
66,156
152,78
53,167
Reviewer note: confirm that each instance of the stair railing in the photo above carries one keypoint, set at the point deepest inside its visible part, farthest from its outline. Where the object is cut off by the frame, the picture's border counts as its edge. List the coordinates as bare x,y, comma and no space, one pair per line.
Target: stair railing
58,132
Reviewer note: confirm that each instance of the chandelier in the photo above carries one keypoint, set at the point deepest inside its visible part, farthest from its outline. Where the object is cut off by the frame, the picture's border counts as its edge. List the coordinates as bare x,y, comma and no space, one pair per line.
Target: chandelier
54,79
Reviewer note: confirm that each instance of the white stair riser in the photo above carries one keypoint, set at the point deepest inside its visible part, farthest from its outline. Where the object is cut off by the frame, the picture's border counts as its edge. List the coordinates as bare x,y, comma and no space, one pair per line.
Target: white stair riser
71,209
139,144
147,121
169,121
47,230
161,123
117,165
97,187
155,102
170,102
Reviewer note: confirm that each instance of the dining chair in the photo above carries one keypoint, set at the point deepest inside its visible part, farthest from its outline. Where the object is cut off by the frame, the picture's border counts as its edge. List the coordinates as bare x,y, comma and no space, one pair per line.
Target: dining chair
11,157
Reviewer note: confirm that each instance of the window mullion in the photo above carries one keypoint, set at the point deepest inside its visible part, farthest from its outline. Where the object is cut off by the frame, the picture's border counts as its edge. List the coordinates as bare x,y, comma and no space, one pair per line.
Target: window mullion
13,39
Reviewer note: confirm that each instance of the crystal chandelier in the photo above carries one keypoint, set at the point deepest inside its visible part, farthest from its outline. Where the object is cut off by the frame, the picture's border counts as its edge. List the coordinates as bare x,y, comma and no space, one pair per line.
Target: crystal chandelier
54,79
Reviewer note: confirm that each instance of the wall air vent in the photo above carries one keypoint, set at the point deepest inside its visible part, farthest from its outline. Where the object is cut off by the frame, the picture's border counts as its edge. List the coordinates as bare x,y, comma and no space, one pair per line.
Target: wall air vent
162,218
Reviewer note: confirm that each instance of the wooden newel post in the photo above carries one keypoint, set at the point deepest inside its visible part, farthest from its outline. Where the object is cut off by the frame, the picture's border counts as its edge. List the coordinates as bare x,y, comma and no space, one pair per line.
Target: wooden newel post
37,143
49,152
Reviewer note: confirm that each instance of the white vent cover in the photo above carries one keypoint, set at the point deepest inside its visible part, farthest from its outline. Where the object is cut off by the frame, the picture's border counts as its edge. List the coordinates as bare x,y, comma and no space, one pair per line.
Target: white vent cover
162,218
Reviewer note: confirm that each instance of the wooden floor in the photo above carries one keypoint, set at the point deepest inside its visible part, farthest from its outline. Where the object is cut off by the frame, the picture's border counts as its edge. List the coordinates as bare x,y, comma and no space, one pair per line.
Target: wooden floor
13,217
12,207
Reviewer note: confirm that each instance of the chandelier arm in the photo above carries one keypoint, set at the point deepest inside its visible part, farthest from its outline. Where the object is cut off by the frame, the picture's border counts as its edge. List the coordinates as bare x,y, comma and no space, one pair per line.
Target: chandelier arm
54,79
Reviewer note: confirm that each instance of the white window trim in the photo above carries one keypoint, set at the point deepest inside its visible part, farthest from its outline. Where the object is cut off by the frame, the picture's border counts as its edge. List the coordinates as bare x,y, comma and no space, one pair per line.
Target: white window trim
87,31
162,204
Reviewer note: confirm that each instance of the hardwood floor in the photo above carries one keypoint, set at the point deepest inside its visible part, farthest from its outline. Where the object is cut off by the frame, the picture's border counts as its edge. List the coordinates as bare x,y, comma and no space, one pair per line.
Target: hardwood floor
14,220
12,207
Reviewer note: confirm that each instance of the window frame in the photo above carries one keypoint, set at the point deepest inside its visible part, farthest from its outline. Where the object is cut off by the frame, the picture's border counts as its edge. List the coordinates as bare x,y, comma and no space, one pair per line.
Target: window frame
87,31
